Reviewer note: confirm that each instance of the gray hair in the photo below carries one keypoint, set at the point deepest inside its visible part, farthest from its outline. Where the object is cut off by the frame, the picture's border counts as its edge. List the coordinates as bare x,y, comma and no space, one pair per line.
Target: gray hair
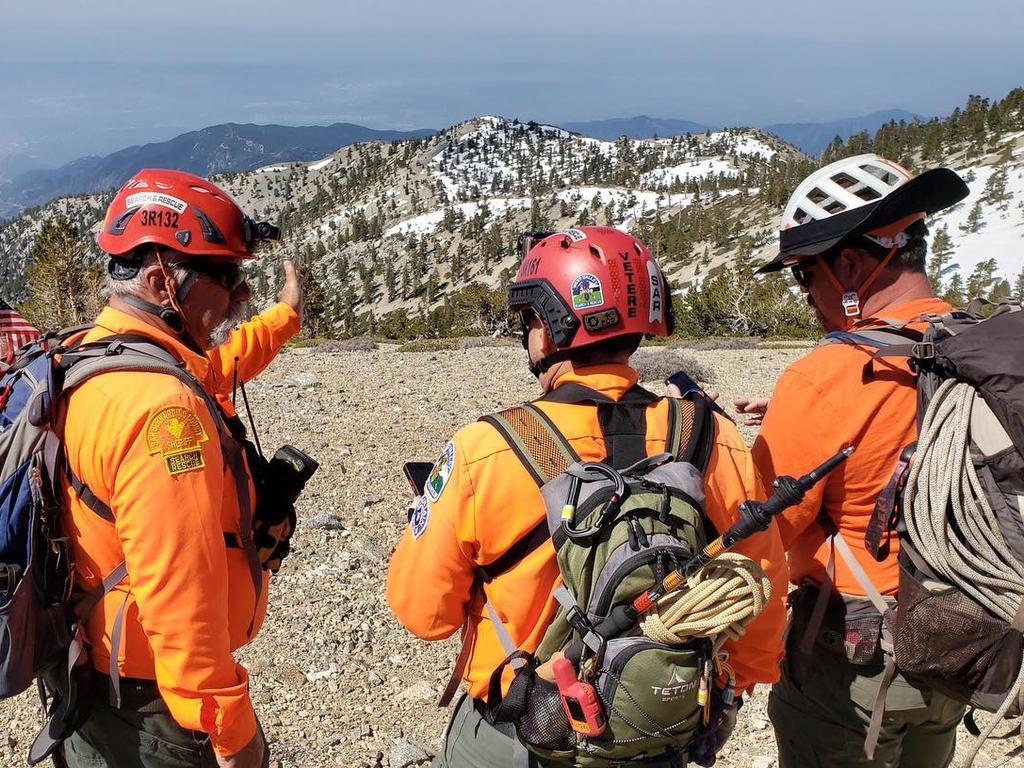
146,256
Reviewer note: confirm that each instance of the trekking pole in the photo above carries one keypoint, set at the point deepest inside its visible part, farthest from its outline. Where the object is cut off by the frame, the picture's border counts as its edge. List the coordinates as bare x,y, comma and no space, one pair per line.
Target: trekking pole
755,516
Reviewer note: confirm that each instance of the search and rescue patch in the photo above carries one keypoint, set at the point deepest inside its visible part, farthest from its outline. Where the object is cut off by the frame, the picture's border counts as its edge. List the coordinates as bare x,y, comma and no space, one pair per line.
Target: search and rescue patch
420,517
576,234
439,475
177,435
155,198
586,292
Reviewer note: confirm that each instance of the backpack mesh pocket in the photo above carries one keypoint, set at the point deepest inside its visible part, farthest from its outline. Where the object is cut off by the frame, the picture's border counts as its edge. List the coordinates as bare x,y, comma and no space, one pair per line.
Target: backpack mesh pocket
544,723
946,638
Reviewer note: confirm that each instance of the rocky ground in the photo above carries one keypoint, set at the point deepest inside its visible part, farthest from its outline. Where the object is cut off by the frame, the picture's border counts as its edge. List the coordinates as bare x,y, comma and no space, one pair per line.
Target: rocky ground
336,680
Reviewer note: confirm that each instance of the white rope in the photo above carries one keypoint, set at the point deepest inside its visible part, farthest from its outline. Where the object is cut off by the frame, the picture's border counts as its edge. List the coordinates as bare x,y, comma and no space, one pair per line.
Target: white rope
718,602
950,521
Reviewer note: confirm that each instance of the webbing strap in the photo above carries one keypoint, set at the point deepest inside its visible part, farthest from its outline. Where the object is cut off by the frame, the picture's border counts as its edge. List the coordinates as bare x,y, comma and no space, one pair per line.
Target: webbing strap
878,708
817,617
541,448
115,652
504,638
461,662
87,497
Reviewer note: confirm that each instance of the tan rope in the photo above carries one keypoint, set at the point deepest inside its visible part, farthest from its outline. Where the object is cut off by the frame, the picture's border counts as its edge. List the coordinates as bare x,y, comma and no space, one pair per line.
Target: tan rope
719,601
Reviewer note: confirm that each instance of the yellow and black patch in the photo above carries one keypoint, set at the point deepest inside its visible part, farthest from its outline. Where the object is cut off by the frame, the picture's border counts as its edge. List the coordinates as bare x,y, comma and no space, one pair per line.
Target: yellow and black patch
177,435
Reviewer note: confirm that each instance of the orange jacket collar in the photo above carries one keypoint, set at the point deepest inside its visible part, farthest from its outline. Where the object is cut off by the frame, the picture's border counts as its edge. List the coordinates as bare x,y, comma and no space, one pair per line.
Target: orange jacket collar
907,310
114,321
612,379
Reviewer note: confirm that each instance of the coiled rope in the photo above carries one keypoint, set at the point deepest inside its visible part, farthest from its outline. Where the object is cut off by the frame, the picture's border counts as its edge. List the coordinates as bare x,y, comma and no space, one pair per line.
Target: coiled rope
719,601
952,525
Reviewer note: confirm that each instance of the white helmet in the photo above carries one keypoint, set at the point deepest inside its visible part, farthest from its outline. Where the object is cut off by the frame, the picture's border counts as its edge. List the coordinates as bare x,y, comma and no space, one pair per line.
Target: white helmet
856,196
842,186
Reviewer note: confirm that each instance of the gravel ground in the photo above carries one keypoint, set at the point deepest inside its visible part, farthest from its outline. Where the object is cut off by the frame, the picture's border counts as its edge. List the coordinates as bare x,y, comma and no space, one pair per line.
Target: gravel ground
335,679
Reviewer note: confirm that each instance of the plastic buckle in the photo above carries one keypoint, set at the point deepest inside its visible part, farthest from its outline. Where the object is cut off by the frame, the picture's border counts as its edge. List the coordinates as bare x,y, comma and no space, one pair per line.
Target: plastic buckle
924,350
8,578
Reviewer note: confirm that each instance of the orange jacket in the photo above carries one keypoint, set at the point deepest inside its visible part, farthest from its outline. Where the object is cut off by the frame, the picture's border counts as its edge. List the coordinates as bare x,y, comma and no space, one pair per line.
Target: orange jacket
490,501
822,403
190,598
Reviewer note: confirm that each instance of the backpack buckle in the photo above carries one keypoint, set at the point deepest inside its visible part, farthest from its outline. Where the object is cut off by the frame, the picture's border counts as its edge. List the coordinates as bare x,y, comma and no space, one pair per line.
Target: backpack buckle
8,578
924,350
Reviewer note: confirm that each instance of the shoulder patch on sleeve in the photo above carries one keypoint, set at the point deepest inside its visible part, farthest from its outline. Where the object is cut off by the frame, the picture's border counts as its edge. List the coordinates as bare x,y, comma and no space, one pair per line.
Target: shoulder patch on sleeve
420,517
438,478
177,435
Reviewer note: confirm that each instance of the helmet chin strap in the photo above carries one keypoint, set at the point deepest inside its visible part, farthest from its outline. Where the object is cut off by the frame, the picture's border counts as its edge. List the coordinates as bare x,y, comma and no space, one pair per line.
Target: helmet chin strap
171,313
851,299
543,365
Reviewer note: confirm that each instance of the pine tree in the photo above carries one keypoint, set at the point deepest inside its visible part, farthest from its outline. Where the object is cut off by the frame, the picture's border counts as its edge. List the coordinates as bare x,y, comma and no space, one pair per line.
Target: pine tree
974,222
982,279
940,264
316,309
63,288
1018,288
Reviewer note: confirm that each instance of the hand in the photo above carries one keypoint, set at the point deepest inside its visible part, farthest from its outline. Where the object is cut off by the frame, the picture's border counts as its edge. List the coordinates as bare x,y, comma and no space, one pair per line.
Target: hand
294,291
673,391
726,725
253,754
753,407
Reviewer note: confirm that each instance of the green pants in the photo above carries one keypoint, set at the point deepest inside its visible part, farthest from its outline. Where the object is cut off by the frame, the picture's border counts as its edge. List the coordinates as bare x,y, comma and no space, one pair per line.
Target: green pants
471,742
139,734
822,706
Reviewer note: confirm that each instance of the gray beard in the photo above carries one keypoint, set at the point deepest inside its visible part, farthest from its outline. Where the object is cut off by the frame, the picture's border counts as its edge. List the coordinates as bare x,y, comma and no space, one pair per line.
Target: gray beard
220,333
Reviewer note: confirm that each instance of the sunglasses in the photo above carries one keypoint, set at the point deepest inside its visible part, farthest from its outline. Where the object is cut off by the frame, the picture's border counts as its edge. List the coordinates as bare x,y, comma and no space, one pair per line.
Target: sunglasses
228,276
802,273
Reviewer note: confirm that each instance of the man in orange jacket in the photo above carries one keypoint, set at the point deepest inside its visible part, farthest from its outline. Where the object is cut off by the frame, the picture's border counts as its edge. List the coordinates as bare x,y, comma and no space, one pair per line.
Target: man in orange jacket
481,500
854,235
158,484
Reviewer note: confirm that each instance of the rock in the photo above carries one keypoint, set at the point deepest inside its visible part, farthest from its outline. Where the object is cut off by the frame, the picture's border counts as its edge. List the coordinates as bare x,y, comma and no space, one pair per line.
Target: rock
763,761
405,753
369,501
421,690
373,678
302,380
326,521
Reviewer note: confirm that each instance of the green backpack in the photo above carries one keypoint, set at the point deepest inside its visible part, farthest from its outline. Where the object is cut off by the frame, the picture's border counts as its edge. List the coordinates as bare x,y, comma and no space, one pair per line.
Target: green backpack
617,527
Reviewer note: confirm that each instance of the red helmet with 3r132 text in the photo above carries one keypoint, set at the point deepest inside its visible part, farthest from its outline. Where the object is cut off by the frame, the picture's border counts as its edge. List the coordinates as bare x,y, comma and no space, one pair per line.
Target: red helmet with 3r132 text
590,284
183,212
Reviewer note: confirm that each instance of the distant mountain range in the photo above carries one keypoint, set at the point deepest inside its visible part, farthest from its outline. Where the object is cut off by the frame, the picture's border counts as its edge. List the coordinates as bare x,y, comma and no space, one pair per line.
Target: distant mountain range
234,147
231,147
811,138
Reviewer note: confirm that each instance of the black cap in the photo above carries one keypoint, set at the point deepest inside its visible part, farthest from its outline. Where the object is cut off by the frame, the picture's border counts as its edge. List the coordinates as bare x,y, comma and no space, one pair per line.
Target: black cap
928,193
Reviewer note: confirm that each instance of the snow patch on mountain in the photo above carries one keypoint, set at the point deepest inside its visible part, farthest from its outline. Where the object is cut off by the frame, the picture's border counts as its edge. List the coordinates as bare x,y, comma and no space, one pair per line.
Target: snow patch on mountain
1000,235
692,169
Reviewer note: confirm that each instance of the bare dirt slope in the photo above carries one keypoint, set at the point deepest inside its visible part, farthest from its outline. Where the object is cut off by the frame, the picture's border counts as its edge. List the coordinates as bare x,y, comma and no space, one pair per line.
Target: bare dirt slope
336,680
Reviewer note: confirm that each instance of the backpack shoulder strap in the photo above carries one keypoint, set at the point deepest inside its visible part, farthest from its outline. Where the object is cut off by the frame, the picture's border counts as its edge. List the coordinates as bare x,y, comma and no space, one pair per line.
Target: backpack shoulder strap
535,440
691,430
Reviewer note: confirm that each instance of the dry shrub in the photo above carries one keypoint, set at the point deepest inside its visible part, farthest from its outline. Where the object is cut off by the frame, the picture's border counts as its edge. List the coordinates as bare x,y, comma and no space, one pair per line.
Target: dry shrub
657,364
429,345
474,342
357,344
714,343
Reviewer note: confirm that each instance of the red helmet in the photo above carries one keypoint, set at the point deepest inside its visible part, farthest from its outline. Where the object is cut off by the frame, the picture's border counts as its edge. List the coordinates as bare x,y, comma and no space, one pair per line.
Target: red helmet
183,212
590,284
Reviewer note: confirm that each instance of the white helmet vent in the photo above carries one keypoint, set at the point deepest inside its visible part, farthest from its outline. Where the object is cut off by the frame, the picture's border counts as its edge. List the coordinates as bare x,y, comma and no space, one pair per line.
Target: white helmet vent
842,186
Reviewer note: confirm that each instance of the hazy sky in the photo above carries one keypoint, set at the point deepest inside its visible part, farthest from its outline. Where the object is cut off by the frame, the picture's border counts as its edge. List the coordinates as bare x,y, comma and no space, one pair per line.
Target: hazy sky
79,78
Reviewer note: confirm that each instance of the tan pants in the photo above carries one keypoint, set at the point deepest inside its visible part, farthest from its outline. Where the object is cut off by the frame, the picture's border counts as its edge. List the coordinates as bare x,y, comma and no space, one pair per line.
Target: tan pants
822,706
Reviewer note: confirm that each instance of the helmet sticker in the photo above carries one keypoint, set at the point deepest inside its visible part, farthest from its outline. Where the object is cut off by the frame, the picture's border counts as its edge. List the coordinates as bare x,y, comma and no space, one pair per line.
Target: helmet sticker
438,478
576,234
586,292
657,300
420,517
155,198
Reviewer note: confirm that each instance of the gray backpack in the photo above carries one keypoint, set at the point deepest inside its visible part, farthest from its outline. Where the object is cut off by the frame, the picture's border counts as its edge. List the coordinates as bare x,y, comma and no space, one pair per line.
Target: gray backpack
41,612
956,501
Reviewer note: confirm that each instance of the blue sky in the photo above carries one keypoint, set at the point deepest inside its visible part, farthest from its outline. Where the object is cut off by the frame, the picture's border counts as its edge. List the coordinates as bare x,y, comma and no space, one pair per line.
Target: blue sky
79,78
